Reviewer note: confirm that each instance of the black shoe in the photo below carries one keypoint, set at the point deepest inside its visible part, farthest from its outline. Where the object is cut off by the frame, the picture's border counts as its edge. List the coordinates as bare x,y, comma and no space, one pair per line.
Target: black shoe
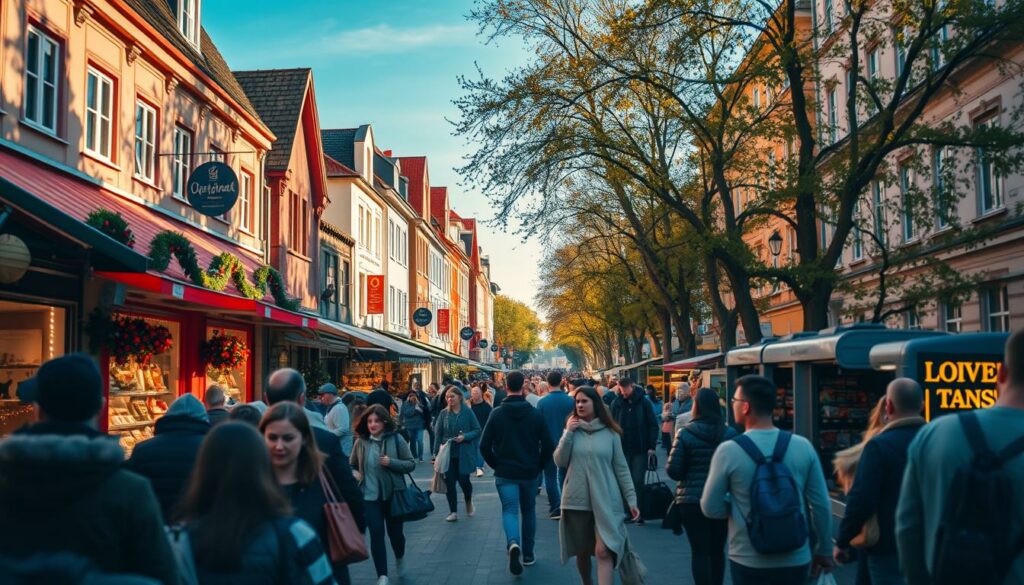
528,560
515,563
555,516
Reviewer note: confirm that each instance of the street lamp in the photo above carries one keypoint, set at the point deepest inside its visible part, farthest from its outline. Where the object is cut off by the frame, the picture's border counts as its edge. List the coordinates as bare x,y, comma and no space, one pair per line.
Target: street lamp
775,243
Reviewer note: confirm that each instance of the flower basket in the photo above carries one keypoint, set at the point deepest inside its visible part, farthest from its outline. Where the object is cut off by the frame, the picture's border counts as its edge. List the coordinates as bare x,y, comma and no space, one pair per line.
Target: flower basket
224,352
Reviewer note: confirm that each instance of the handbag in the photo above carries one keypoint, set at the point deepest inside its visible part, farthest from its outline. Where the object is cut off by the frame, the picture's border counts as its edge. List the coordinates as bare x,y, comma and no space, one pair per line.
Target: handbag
868,535
411,503
657,495
345,543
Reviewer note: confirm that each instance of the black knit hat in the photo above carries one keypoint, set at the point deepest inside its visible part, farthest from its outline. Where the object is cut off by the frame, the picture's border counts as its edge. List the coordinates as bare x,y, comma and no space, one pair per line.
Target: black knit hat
68,388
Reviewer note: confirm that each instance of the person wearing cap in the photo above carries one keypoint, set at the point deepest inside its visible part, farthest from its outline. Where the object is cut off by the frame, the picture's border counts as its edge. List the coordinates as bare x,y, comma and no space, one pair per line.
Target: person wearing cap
632,411
168,458
63,487
336,416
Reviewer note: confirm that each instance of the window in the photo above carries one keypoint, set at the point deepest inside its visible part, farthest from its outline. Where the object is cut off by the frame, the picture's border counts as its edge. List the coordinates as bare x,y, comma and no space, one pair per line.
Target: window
902,36
857,247
757,97
793,249
906,185
392,304
304,227
377,236
997,309
182,160
188,21
873,64
953,317
938,187
939,44
42,81
343,289
989,184
245,199
145,141
99,113
879,212
833,116
827,20
330,286
911,319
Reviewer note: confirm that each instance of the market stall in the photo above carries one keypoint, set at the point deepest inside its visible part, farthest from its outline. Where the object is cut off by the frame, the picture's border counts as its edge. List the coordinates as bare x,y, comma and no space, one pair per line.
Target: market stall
708,364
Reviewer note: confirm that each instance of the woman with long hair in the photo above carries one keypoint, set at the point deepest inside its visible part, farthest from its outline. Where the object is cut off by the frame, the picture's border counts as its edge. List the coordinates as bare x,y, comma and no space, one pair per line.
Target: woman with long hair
380,459
239,523
458,425
297,465
688,463
597,480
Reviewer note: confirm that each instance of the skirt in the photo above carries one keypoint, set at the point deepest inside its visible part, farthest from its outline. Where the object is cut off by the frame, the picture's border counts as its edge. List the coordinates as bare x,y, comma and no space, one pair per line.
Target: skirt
580,532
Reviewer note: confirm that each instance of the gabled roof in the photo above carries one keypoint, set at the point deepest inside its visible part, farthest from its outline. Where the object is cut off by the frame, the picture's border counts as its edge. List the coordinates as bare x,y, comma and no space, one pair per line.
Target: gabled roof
439,205
340,144
336,169
158,14
278,96
414,168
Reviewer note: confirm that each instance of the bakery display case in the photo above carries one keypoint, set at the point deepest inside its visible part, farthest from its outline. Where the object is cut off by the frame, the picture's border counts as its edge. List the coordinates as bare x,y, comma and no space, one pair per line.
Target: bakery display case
30,334
364,376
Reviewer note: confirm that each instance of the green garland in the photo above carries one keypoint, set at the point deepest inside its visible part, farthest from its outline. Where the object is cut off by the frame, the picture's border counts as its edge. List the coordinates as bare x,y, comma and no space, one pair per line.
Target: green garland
223,269
113,224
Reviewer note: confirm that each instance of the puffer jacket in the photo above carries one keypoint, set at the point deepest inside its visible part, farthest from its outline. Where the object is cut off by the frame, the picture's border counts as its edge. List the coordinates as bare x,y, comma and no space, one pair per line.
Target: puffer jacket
168,458
690,458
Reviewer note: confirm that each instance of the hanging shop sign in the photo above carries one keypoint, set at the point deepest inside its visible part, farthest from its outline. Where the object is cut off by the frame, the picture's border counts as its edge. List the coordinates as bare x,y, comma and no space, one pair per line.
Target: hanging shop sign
494,346
212,188
483,344
422,317
466,333
444,321
375,294
954,382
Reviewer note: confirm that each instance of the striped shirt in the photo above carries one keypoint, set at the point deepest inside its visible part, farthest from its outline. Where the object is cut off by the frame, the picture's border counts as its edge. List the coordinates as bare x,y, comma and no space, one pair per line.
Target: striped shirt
310,558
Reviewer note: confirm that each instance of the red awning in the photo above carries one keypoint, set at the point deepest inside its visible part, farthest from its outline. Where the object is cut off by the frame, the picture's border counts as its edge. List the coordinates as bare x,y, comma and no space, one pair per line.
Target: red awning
694,362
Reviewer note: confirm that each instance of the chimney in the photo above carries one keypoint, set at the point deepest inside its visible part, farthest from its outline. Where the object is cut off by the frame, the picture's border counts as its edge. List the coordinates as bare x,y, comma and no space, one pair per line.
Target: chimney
387,153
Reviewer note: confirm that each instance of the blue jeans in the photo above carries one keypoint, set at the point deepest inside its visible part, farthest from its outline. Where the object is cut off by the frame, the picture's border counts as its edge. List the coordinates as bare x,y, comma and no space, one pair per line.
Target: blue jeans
518,496
885,570
554,479
416,443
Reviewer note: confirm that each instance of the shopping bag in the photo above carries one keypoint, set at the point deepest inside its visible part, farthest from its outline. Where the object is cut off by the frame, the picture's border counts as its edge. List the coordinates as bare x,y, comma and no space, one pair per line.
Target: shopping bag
443,457
657,495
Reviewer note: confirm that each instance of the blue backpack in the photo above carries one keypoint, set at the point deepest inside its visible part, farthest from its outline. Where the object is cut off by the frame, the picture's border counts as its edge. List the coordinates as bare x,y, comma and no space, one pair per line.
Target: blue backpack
776,523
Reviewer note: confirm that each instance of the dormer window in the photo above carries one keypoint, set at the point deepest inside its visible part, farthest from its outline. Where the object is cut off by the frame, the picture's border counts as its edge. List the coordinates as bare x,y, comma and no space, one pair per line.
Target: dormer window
188,21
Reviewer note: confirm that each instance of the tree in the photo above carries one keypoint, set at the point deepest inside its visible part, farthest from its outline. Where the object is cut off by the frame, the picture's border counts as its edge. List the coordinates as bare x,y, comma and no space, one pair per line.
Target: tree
516,326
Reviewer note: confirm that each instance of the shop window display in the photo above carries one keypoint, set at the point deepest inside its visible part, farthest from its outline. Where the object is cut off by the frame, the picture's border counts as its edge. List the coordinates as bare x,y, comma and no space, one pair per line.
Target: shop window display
365,376
782,417
29,335
846,399
230,367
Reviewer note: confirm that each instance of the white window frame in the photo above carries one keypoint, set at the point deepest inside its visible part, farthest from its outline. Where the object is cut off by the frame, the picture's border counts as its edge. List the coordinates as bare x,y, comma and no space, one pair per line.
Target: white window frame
989,186
906,183
756,99
953,317
99,124
145,141
181,162
939,157
828,17
245,201
911,319
1000,312
191,20
48,50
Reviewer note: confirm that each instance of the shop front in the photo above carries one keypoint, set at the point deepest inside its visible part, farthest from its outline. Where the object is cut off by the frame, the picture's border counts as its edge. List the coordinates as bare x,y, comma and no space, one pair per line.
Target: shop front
712,376
377,357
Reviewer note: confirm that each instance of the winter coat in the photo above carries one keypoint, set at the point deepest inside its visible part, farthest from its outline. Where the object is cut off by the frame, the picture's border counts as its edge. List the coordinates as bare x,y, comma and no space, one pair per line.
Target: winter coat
382,397
690,458
391,478
63,568
168,458
597,479
448,425
639,425
482,412
63,488
515,442
413,416
556,408
308,504
217,416
681,407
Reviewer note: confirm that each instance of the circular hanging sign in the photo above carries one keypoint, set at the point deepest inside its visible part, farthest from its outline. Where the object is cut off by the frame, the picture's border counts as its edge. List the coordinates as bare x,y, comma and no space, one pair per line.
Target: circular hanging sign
422,316
483,343
212,188
494,346
466,334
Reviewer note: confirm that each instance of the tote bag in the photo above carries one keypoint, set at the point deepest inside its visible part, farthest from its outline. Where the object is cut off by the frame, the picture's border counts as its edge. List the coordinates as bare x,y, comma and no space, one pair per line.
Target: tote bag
345,543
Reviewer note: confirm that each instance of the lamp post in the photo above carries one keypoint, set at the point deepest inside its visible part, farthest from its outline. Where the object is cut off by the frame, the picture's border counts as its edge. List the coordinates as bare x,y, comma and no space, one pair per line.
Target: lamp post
775,243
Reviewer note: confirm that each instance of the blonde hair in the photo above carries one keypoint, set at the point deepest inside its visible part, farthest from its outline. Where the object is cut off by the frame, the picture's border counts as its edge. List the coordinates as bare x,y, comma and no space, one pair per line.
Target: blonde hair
845,461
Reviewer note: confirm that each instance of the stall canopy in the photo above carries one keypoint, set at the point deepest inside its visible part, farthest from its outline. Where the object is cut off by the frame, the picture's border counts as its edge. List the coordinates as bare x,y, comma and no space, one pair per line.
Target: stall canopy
436,352
695,362
482,367
393,350
848,345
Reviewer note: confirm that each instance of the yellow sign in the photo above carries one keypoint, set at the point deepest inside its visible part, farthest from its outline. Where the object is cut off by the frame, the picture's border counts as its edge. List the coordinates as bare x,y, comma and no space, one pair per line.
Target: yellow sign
952,383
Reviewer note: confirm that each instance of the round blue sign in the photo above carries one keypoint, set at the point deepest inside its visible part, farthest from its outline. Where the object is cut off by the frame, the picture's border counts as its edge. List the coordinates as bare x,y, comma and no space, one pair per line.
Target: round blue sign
422,316
483,343
212,188
494,347
466,334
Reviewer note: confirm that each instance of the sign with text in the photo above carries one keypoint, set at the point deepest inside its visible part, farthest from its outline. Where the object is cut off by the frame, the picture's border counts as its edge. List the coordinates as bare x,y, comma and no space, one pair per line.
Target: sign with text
212,188
422,317
957,382
444,321
375,294
466,334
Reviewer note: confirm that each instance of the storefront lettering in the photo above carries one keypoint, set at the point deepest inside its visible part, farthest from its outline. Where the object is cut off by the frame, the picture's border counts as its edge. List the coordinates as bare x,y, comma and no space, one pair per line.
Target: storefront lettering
960,372
952,383
960,399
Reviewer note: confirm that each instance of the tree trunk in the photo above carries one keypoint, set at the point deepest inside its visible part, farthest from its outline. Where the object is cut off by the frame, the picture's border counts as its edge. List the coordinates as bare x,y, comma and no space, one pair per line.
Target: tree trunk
681,317
816,309
740,282
725,317
666,333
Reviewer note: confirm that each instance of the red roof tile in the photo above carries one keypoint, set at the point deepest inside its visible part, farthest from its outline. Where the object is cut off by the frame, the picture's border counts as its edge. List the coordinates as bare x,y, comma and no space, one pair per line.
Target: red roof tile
439,205
414,168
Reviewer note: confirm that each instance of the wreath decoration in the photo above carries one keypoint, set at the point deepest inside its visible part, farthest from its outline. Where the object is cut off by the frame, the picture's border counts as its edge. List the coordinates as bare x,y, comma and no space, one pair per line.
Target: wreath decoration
223,269
224,352
127,338
113,224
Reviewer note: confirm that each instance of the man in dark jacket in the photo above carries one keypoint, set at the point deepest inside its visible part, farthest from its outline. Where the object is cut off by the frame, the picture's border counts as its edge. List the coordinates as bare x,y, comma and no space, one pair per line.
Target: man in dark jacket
382,396
633,412
876,486
215,409
516,444
167,459
63,486
555,408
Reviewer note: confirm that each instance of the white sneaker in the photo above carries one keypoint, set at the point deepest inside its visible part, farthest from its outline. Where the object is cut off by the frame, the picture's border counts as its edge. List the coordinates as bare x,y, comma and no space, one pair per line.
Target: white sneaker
479,472
453,517
383,580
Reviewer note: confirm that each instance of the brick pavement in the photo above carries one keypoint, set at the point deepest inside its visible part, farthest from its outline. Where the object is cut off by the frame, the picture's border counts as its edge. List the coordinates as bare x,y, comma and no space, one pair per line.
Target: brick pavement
471,551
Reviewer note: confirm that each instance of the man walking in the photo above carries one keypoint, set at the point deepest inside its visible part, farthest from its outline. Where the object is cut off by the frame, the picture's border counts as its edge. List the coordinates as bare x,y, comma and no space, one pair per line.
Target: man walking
943,451
336,416
633,412
728,494
555,408
215,409
516,444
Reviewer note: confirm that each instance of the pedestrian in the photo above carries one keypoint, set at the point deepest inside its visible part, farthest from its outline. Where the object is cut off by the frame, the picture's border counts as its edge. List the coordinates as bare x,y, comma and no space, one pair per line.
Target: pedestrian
876,487
214,399
652,395
424,402
935,515
380,459
632,412
667,425
246,413
556,407
530,393
611,393
459,427
684,417
239,522
482,410
728,495
517,445
382,396
433,409
167,460
597,479
414,420
683,402
63,487
688,464
336,416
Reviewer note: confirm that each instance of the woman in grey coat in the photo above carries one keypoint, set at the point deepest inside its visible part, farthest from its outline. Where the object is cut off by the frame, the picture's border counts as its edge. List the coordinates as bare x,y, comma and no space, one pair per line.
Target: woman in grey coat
457,424
597,479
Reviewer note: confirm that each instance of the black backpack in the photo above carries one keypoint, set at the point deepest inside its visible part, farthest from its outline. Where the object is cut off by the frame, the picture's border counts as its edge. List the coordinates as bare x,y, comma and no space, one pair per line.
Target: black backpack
776,523
973,542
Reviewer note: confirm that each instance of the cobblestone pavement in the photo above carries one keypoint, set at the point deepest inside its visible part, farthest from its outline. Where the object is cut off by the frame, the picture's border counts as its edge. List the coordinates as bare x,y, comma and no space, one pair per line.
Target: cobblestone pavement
472,550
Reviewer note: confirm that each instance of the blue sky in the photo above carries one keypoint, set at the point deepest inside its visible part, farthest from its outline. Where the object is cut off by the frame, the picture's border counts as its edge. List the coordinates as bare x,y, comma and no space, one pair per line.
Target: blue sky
392,64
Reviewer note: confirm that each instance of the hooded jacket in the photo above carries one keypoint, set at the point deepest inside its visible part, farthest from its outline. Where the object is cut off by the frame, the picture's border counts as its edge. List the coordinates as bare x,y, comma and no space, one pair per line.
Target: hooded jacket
690,457
168,458
516,442
640,428
63,488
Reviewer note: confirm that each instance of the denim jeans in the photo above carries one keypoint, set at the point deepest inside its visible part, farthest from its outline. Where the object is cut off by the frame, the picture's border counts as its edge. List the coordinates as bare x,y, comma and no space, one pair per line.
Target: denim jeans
518,496
885,570
379,521
554,479
416,443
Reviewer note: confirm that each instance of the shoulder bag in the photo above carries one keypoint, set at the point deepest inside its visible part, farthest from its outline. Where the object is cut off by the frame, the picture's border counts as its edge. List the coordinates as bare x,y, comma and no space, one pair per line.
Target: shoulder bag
345,543
409,504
